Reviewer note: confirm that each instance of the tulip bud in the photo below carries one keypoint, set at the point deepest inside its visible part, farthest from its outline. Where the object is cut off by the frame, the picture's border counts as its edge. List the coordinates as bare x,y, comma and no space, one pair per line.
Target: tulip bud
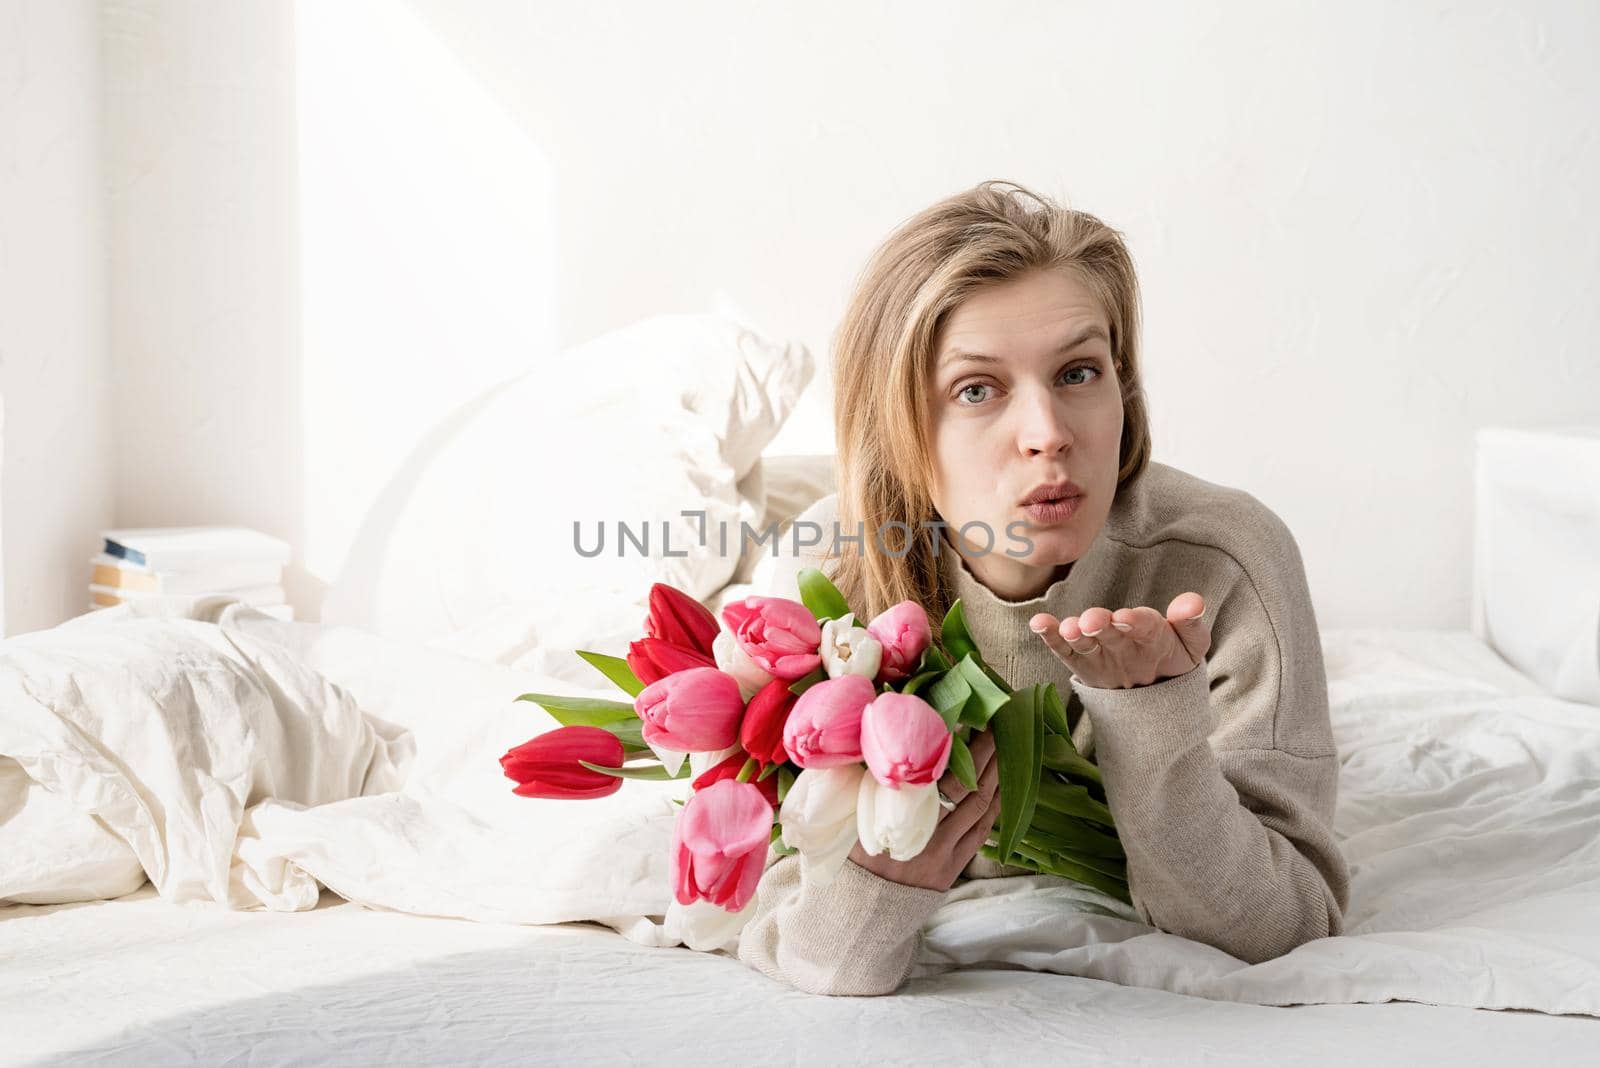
818,815
847,649
904,740
904,635
780,635
824,727
678,619
719,845
652,659
547,766
765,717
898,820
736,662
695,710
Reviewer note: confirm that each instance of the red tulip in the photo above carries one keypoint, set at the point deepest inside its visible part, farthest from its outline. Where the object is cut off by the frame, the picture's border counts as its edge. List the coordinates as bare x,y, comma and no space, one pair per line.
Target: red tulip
761,733
547,766
653,659
730,768
679,619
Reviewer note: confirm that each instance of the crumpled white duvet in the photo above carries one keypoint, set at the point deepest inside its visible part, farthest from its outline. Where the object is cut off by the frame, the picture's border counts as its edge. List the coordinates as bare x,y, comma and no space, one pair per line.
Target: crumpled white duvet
1469,810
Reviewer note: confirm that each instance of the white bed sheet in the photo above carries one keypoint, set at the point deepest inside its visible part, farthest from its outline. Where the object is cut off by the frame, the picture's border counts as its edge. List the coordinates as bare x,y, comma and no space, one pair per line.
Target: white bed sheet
137,981
1435,732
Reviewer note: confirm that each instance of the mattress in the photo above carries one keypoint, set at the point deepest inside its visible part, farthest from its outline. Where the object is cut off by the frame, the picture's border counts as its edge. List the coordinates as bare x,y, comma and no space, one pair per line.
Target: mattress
1457,771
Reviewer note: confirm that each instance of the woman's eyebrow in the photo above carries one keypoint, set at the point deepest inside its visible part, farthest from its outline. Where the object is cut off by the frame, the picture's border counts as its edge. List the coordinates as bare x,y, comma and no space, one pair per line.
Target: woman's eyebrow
1088,333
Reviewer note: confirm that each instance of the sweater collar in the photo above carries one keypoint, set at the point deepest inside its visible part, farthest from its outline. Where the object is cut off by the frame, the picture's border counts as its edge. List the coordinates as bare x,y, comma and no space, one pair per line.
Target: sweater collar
998,623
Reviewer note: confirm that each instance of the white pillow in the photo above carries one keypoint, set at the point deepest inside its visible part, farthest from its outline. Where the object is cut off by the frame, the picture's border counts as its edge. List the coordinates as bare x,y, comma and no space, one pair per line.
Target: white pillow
1536,588
636,426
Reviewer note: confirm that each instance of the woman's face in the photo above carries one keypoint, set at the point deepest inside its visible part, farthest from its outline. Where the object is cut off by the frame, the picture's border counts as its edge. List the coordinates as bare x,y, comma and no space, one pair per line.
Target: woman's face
1045,406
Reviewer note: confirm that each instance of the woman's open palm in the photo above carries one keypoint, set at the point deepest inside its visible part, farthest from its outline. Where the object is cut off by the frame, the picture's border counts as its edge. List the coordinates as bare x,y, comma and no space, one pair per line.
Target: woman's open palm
1131,646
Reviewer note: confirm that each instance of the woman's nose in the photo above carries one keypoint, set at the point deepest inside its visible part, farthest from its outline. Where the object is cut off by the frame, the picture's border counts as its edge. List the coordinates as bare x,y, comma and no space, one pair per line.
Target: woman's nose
1043,425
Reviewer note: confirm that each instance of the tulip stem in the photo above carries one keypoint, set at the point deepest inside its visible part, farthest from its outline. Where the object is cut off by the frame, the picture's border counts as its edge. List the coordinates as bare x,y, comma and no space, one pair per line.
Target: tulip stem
748,770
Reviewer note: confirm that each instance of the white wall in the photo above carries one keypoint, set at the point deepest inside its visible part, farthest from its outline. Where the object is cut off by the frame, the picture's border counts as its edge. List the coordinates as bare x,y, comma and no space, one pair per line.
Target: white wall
59,446
205,266
1358,226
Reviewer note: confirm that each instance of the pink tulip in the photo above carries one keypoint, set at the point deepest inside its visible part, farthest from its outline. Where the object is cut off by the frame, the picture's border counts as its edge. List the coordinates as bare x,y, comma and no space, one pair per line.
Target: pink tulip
904,740
904,633
824,727
719,845
693,711
780,635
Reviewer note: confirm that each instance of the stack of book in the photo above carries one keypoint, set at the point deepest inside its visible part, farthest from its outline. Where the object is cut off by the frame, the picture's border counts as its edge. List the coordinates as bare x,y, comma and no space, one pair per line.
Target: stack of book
180,565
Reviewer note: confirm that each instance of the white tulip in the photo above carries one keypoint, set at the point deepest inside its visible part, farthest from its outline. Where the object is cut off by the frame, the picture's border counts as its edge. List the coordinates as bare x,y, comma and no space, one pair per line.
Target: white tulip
731,657
671,759
706,927
849,650
900,821
700,763
819,818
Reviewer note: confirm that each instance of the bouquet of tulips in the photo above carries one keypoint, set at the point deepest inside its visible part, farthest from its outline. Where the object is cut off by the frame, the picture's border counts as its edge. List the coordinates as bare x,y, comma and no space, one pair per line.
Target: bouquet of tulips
805,732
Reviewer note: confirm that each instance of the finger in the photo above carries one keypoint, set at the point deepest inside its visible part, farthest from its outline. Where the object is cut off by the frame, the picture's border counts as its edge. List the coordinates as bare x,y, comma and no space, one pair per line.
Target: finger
1047,627
979,804
1187,614
974,837
1139,625
1186,607
977,800
1082,638
981,746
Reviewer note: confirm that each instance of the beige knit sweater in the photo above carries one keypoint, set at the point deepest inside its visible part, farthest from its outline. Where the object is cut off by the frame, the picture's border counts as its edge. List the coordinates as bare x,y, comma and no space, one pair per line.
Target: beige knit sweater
1222,780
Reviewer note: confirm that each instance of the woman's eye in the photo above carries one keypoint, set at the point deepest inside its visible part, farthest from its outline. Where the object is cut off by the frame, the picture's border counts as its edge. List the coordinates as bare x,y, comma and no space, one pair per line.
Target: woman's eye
965,391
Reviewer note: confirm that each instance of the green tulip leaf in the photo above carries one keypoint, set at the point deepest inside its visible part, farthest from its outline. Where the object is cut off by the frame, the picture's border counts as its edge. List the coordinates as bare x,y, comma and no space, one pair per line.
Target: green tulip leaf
986,699
954,634
581,711
629,731
961,763
805,682
616,669
820,595
652,772
1061,755
1055,713
1072,800
1015,725
949,695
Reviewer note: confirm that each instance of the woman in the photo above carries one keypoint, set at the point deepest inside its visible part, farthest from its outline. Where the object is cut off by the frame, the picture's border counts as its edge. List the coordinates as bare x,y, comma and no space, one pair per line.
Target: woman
990,358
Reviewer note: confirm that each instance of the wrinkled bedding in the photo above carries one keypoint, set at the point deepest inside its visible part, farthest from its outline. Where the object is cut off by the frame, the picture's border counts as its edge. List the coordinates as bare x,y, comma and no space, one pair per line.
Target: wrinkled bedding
287,757
340,984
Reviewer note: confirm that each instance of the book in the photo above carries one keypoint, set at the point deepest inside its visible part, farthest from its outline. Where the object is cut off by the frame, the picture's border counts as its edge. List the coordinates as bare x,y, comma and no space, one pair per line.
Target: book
184,548
119,573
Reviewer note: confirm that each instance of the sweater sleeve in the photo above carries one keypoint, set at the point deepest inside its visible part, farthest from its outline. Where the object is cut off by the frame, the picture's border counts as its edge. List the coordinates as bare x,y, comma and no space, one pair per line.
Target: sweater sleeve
858,935
1232,844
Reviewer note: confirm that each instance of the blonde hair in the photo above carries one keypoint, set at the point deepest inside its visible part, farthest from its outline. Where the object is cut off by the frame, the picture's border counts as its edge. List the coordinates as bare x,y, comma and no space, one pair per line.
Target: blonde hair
883,368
